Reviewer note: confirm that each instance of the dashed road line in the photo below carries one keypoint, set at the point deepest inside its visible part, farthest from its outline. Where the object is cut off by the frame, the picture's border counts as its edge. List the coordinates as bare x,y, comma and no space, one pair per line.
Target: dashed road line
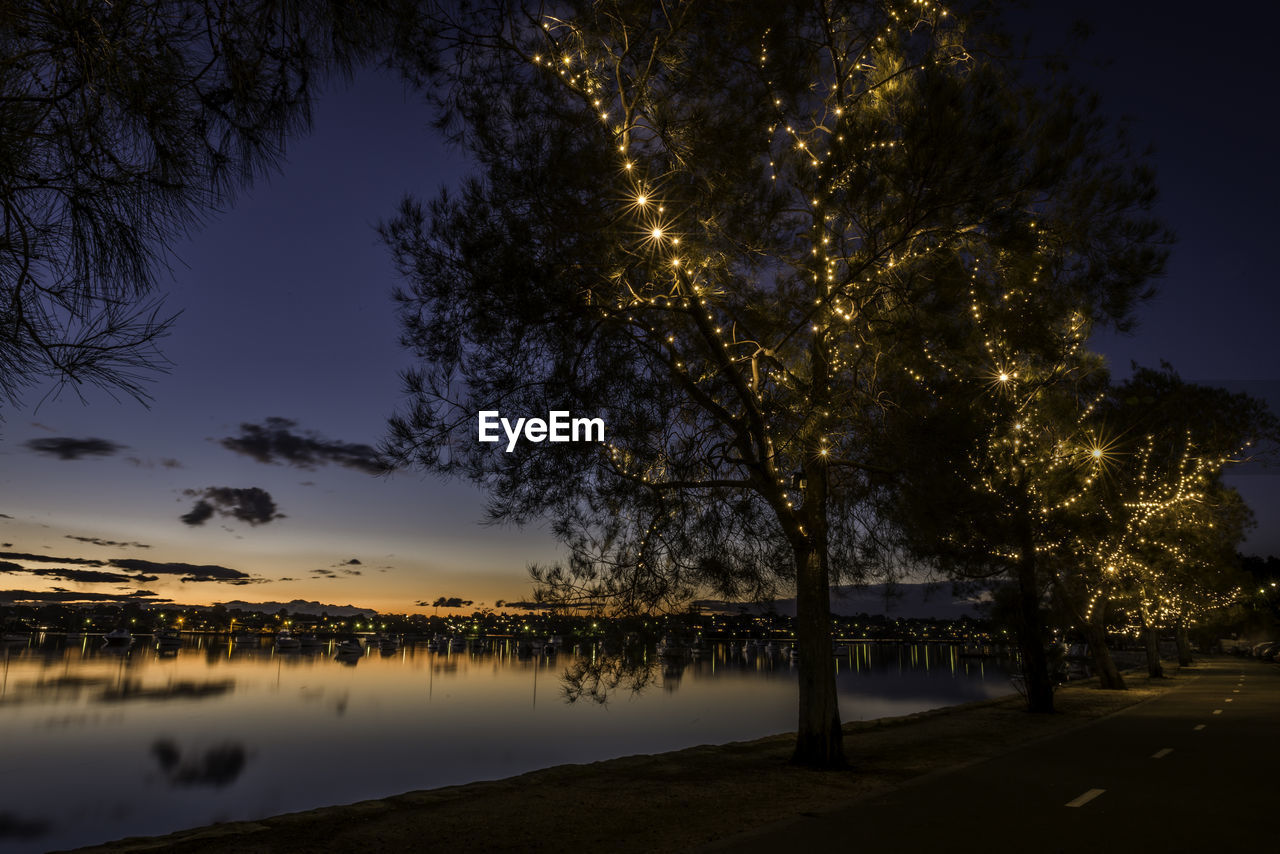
1162,753
1198,727
1085,798
1217,711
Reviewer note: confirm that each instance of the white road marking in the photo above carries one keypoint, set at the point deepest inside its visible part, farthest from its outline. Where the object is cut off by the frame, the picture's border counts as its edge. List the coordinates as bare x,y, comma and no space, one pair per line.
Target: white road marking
1236,691
1161,754
1228,700
1085,798
1198,727
1217,711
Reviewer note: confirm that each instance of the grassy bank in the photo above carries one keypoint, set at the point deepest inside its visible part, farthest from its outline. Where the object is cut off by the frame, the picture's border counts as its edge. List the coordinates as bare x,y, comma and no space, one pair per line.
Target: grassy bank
675,801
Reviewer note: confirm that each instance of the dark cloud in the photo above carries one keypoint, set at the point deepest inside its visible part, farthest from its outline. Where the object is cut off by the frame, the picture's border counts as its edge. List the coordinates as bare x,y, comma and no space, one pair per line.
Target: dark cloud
325,573
37,597
251,504
445,602
276,441
353,572
5,566
5,516
48,559
352,562
199,514
67,448
97,541
189,572
81,576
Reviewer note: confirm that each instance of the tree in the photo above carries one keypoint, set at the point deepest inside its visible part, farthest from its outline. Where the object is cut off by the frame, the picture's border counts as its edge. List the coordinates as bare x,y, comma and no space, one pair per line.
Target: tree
122,124
1171,527
723,232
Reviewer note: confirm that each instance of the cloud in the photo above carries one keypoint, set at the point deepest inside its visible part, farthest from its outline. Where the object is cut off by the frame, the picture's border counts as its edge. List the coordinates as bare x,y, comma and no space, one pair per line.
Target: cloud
5,516
276,442
327,573
189,572
97,541
37,597
352,562
445,602
67,448
49,559
80,576
202,512
251,504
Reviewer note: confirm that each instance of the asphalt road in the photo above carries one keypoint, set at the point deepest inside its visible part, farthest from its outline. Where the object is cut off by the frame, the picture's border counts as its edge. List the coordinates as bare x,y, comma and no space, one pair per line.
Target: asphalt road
1195,770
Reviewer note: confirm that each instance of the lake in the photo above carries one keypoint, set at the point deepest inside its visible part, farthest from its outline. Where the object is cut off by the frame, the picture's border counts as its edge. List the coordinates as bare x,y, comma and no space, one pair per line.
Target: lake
101,743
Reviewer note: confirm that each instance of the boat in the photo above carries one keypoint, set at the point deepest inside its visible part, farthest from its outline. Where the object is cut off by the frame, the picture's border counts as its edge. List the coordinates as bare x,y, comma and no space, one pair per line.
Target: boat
286,642
458,644
118,637
168,639
311,642
348,648
388,644
16,637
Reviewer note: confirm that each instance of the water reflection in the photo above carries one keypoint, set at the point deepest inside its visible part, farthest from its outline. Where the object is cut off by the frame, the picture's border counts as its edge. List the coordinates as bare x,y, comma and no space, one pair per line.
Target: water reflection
217,766
155,738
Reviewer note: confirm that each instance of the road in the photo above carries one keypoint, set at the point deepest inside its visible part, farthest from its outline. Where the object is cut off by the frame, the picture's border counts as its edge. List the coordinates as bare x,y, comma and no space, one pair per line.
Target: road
1194,770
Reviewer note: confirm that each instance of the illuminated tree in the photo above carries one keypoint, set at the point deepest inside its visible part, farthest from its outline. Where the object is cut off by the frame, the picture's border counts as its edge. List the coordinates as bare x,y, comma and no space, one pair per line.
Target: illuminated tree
1168,527
1009,457
731,233
121,125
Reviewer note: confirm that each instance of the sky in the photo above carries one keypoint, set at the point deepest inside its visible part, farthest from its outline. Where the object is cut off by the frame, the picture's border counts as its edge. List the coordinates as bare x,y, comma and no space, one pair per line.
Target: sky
285,361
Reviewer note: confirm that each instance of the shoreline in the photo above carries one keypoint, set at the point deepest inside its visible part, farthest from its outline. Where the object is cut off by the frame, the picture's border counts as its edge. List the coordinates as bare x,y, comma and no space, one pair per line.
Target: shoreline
680,800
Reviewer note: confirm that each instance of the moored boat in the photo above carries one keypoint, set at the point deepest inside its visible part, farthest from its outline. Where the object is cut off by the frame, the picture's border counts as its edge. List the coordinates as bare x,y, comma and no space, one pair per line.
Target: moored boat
168,639
348,648
118,637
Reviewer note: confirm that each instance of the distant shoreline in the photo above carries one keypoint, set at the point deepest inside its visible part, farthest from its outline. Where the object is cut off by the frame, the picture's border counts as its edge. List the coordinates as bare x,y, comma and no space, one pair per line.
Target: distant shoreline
681,800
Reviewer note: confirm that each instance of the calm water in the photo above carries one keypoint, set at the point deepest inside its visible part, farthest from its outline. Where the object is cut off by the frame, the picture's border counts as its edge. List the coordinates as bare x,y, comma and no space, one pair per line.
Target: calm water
99,744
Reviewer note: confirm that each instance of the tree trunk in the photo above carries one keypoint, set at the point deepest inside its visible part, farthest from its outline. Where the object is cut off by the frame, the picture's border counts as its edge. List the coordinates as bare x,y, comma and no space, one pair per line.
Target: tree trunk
1108,675
1184,645
1154,670
1093,627
1035,664
819,738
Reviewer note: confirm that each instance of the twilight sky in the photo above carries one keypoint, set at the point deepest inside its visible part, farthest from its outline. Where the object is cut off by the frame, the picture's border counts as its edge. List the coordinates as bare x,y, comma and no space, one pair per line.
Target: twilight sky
287,315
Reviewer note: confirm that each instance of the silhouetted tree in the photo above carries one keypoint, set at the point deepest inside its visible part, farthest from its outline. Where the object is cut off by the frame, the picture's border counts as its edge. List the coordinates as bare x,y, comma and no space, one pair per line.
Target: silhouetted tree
121,125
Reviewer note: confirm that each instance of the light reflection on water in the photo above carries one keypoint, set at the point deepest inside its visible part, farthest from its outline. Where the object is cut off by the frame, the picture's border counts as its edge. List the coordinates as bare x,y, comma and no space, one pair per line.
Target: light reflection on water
99,744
